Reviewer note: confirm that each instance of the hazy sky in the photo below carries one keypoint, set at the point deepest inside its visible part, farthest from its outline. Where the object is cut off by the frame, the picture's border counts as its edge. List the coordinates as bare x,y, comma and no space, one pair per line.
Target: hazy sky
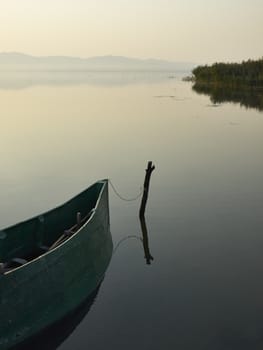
189,30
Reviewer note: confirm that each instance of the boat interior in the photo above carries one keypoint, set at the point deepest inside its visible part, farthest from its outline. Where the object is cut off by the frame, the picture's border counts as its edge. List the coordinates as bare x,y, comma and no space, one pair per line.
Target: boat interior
30,239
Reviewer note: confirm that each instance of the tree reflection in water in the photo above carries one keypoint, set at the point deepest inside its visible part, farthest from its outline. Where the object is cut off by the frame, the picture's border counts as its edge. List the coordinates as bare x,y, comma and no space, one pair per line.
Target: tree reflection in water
245,96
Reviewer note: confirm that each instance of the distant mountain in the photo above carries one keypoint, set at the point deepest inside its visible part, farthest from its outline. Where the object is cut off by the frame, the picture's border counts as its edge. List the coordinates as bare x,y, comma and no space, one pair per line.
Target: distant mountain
18,61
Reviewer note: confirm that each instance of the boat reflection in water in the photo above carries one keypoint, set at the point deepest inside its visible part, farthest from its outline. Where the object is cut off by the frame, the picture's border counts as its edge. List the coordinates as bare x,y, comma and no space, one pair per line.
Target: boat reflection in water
52,337
246,97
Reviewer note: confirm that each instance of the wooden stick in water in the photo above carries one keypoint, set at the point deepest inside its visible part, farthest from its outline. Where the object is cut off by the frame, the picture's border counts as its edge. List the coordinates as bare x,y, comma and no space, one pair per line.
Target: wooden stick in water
149,170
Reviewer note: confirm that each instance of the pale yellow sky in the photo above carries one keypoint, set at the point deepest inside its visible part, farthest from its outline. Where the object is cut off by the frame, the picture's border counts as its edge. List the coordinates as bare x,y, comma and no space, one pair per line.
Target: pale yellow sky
183,30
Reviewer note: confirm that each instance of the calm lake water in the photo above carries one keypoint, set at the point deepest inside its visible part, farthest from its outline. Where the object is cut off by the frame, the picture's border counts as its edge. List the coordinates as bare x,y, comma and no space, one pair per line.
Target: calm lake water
60,132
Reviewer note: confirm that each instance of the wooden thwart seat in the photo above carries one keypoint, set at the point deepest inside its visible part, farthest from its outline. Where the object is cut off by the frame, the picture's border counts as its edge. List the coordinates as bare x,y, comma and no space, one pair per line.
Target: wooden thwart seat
16,262
67,233
44,248
19,261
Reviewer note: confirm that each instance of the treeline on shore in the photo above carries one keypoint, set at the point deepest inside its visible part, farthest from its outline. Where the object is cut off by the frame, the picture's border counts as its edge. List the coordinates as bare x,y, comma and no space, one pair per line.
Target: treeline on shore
249,73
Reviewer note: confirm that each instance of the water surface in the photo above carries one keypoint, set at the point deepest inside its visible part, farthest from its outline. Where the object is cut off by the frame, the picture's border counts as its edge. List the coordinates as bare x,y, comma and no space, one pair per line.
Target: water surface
204,288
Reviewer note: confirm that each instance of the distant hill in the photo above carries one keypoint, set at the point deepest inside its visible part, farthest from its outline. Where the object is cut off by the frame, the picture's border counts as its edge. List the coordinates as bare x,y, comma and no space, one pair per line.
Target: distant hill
18,61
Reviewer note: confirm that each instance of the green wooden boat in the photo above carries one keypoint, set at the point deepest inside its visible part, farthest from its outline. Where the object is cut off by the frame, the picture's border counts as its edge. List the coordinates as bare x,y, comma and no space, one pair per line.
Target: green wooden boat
51,263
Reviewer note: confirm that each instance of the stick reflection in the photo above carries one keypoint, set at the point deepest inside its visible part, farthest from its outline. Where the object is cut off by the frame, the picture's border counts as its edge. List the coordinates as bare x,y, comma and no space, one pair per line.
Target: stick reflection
145,240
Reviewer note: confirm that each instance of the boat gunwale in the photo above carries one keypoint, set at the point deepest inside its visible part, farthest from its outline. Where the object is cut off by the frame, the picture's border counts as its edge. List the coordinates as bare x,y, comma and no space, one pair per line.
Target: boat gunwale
70,237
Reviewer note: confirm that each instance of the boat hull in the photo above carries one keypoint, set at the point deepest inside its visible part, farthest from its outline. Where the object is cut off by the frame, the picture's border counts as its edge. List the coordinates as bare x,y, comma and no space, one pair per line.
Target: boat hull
45,290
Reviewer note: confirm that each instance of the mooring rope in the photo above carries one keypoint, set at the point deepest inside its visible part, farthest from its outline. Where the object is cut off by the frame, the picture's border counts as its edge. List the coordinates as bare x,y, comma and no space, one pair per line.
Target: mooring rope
121,197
